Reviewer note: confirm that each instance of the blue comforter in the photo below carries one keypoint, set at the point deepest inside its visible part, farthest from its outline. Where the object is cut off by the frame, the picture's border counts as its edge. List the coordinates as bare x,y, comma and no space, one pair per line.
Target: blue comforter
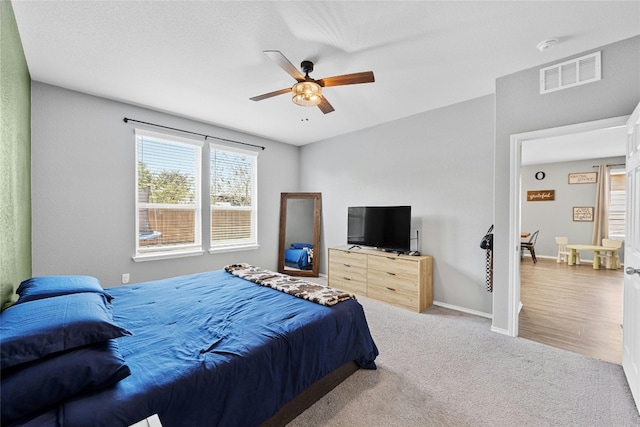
212,349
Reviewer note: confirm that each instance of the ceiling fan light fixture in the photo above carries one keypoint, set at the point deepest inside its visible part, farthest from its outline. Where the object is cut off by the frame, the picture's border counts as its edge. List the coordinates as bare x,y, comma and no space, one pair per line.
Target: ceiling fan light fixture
307,94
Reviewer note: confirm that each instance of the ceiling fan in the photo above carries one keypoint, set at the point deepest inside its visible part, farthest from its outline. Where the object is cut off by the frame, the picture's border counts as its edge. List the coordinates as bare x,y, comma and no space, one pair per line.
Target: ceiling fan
307,92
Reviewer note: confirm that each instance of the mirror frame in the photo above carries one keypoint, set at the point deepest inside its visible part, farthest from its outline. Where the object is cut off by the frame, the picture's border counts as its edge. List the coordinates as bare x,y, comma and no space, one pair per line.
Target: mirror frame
317,207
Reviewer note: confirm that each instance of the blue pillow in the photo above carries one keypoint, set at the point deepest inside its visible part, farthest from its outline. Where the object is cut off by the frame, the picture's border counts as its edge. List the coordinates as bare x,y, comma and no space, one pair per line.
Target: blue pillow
35,387
35,329
53,286
301,245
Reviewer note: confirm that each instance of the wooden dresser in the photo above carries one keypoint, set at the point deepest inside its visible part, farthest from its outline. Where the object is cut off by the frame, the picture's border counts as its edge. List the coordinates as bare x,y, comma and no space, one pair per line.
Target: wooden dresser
401,280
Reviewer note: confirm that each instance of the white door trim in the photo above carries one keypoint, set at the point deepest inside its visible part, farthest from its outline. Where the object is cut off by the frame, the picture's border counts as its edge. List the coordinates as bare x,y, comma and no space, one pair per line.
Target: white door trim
515,200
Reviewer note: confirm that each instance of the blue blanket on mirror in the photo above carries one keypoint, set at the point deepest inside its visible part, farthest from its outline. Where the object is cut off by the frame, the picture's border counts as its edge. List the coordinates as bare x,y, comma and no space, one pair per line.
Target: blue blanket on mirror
297,258
212,349
299,255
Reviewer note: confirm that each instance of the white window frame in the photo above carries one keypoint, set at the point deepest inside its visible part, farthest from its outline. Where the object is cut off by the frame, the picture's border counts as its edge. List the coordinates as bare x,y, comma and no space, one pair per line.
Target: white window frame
252,241
175,251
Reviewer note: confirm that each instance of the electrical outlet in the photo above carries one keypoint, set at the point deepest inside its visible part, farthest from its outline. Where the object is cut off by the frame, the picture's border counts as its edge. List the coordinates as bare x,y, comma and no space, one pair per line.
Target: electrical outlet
125,278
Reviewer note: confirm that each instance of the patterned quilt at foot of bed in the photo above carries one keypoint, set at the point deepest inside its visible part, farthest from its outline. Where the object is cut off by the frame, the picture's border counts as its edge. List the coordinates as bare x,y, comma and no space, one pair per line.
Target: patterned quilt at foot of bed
300,288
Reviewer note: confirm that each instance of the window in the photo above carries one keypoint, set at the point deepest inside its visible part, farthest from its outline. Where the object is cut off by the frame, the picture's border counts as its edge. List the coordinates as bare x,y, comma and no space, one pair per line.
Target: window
233,198
617,204
168,200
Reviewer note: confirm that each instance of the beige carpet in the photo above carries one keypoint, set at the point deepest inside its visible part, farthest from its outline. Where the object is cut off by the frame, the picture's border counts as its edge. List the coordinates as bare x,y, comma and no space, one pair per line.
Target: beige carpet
445,368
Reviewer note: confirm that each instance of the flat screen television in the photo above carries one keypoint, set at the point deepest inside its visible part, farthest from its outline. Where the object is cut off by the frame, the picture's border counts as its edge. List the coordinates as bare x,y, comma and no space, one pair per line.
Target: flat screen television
382,227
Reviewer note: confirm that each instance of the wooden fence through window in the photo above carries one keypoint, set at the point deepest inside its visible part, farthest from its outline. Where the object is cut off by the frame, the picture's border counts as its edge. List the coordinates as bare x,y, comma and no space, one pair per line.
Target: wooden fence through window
177,226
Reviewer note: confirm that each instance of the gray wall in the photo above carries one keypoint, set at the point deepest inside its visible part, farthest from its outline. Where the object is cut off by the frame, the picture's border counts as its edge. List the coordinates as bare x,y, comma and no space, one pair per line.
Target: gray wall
440,163
520,108
83,184
555,218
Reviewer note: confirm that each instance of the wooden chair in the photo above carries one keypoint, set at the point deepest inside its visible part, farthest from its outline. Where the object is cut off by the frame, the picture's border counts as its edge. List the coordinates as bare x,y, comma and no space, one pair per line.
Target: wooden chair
563,252
606,256
530,246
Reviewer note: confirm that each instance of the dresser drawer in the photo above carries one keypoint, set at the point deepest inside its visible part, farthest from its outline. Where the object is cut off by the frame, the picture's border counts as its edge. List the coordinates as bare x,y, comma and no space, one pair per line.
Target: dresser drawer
405,283
348,271
394,295
394,266
350,284
350,259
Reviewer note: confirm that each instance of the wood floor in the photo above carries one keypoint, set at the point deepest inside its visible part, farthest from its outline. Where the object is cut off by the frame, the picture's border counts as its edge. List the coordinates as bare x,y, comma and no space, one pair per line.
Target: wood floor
575,308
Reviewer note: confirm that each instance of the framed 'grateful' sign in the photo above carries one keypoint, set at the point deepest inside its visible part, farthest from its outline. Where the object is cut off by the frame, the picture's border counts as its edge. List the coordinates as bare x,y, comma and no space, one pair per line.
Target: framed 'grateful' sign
541,195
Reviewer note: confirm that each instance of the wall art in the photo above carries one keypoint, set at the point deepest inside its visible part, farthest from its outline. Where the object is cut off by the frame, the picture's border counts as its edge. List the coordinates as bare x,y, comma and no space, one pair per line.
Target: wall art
541,195
583,178
583,213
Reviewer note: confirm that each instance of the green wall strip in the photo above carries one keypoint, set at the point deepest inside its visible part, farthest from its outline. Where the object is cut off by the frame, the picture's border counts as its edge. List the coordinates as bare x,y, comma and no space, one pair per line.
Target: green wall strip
15,158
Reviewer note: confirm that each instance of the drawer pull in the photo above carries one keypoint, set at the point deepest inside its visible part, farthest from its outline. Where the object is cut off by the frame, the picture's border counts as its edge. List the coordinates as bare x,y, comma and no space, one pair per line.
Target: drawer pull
346,278
391,289
391,258
347,265
390,273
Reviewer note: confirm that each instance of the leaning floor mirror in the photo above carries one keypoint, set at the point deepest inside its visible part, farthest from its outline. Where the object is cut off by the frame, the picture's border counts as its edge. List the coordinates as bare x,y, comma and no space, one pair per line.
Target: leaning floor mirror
299,250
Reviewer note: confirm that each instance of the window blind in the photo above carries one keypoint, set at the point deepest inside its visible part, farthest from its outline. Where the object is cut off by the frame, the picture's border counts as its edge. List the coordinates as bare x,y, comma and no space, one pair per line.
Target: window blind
168,199
617,205
233,187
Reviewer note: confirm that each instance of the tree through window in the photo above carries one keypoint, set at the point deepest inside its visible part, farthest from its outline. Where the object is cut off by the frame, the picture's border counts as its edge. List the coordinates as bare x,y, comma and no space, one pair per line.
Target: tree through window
233,201
168,201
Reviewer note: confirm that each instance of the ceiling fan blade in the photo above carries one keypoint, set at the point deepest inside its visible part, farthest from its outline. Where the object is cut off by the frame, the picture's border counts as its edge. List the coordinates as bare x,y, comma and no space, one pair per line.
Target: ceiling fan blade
277,57
348,79
324,106
271,94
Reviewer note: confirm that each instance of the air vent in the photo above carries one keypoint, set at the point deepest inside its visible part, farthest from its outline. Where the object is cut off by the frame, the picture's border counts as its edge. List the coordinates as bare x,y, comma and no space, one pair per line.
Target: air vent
578,71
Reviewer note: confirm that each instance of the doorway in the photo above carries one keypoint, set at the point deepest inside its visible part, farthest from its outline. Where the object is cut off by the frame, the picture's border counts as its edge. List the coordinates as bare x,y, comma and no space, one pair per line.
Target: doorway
517,141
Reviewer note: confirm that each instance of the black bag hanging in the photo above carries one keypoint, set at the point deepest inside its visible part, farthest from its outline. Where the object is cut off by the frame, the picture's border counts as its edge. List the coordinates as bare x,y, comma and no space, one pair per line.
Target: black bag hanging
487,240
487,244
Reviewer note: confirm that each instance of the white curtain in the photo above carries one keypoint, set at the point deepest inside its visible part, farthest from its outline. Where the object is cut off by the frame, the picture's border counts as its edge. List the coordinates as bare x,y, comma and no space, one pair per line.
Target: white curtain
601,210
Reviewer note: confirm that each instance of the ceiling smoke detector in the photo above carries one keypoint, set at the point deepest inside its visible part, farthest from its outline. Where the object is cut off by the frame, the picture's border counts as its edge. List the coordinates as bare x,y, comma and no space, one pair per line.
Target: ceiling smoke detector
546,44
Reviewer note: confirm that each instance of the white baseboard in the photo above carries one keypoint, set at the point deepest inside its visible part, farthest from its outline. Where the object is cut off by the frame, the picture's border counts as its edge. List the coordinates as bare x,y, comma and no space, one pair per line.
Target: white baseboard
500,331
589,261
462,309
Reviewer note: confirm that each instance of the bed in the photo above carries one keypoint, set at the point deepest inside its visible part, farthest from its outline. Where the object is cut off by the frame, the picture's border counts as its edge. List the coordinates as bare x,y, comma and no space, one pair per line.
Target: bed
204,349
299,256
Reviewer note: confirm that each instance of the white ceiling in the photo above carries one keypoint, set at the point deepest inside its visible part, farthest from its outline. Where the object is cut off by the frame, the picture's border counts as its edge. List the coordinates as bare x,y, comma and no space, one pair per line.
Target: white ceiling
204,60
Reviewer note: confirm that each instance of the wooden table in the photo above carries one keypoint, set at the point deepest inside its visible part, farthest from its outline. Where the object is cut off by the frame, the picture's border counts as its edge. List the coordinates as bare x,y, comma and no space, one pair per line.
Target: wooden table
524,235
596,254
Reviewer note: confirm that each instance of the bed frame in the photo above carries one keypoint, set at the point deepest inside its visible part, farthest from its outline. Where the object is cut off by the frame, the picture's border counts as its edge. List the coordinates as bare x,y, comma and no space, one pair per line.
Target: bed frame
311,395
